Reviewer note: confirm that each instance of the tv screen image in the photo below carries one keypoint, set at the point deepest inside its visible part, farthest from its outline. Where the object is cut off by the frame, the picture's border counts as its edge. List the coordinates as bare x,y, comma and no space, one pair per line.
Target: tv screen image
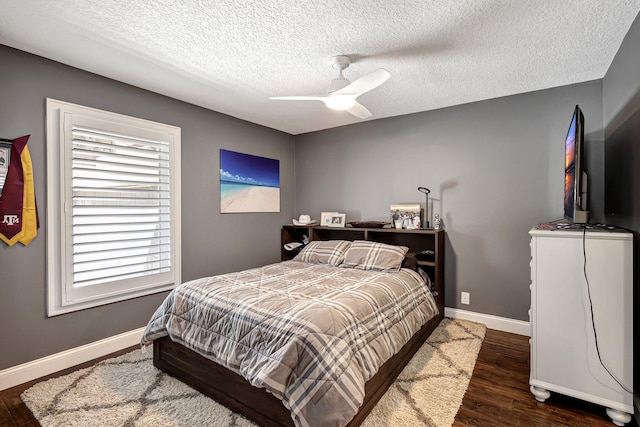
570,169
574,175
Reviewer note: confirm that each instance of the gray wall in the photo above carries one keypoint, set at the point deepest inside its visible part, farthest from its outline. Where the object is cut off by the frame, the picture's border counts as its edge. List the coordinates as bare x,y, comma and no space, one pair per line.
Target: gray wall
621,109
621,105
622,81
211,243
496,168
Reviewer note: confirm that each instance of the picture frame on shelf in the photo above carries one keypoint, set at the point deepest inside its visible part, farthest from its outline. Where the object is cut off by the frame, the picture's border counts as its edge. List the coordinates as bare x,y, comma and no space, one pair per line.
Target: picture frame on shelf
405,215
326,217
337,220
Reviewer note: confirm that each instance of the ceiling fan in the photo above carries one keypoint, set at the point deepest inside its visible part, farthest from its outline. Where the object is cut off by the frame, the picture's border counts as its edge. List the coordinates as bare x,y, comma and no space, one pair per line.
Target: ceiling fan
342,93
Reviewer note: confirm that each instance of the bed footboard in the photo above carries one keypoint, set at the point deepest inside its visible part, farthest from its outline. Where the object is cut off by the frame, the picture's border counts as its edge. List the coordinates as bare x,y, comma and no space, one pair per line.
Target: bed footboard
258,405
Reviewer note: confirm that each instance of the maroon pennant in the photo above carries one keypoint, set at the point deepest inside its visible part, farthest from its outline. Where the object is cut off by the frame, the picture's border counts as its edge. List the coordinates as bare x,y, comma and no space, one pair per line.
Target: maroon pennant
11,199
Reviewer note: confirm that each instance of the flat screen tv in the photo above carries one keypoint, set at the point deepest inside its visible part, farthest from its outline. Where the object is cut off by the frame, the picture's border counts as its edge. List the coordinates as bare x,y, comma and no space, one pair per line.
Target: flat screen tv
575,178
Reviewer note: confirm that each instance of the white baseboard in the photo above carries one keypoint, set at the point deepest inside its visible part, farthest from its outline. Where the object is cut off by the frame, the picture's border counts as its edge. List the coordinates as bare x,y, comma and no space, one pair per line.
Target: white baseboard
504,324
56,362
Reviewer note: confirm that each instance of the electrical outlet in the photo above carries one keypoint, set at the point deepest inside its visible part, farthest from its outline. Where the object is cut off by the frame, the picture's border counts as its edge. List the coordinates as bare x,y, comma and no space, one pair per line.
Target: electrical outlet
464,297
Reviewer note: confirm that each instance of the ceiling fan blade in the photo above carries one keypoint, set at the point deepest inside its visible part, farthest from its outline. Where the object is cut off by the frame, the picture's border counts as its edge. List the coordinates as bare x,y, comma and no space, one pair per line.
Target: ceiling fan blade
365,83
359,110
299,98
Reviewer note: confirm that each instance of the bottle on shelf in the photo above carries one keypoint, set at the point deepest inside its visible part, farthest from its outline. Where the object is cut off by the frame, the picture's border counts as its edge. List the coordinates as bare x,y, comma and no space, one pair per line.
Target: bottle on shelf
437,222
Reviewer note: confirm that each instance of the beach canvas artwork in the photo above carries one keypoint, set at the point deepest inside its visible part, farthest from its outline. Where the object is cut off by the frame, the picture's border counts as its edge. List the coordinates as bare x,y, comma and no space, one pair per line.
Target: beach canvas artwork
248,183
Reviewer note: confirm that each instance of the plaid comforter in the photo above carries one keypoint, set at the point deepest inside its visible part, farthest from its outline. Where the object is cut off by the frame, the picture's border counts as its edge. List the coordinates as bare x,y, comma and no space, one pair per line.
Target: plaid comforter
311,334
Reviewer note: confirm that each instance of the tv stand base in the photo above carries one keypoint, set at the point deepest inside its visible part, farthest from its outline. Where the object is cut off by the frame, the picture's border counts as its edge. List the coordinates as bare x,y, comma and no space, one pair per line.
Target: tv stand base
581,217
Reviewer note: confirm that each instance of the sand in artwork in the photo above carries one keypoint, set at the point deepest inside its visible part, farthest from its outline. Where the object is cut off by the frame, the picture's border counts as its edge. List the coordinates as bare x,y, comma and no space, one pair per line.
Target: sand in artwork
252,199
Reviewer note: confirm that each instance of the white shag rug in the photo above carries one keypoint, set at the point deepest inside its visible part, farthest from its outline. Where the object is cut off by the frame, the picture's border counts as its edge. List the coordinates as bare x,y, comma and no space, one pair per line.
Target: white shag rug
130,391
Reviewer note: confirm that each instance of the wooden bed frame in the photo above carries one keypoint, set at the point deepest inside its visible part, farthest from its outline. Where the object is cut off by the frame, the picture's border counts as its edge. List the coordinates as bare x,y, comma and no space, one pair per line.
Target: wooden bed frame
260,406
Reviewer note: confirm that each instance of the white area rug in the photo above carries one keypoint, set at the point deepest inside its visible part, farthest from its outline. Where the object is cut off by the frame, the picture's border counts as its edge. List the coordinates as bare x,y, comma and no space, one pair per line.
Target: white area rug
130,391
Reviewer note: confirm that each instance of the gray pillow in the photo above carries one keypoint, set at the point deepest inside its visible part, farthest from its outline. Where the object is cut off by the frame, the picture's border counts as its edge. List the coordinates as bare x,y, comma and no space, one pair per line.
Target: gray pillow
330,252
365,255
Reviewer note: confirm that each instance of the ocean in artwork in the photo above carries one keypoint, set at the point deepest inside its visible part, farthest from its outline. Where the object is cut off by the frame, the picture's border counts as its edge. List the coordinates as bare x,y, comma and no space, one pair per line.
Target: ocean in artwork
228,189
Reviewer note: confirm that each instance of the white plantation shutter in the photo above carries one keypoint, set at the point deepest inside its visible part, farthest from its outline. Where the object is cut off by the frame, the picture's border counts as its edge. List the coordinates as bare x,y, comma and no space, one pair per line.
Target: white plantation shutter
120,214
119,209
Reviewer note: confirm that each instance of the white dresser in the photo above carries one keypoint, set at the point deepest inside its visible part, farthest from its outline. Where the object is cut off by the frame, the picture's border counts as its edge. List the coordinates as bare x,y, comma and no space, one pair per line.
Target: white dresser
563,348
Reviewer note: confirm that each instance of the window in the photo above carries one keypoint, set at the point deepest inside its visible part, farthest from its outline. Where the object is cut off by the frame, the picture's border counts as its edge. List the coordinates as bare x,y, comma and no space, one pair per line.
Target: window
113,207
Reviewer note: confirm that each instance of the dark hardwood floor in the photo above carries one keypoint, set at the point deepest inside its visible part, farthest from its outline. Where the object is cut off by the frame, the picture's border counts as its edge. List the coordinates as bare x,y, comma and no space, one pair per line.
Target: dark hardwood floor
498,394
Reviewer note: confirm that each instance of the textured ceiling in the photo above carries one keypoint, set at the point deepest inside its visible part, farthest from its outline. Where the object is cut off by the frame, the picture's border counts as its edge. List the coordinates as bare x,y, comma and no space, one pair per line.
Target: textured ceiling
232,55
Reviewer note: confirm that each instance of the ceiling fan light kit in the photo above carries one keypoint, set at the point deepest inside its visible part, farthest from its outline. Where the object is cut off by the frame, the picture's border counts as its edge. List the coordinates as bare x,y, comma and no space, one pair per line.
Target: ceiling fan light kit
340,103
342,93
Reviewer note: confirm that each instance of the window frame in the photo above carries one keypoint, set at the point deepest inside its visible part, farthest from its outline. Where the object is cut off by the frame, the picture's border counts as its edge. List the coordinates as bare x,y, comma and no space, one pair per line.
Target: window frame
62,296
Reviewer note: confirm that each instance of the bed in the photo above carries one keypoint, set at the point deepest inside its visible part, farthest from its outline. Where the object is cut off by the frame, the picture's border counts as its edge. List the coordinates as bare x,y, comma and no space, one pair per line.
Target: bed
312,341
